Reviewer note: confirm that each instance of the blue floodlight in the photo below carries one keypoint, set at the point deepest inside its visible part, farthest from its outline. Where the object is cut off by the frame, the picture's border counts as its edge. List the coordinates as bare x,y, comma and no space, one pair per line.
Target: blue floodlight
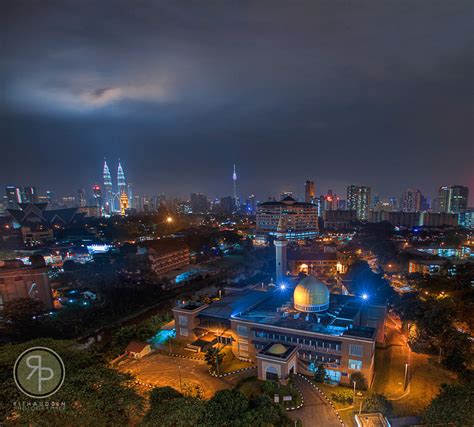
365,297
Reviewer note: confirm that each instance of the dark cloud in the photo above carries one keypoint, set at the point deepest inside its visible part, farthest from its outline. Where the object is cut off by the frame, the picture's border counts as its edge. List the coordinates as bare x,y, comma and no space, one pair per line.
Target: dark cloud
370,92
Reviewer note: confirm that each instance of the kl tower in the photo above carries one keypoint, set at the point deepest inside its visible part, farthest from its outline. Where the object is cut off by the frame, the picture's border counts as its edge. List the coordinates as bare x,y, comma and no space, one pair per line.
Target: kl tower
280,252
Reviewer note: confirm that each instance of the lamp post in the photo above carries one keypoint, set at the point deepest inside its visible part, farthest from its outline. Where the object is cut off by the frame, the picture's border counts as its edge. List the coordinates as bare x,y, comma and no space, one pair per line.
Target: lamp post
406,376
354,391
180,382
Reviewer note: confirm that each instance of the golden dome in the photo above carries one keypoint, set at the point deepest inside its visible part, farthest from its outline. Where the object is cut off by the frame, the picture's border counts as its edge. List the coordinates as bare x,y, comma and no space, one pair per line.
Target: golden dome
277,349
311,295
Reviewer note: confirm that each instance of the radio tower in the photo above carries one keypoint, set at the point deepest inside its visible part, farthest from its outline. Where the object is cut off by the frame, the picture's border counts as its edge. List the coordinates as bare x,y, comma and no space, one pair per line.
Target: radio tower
236,198
107,188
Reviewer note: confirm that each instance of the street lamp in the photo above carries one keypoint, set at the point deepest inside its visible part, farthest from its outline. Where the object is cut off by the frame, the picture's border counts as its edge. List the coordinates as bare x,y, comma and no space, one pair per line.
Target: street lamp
169,220
354,391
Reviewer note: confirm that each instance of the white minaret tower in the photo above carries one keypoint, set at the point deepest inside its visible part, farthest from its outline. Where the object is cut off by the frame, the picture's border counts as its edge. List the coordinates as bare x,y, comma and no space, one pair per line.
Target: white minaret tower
280,252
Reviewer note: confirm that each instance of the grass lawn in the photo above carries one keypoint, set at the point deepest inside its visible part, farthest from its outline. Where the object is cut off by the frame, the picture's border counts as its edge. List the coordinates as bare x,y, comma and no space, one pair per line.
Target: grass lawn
230,363
329,389
426,378
254,387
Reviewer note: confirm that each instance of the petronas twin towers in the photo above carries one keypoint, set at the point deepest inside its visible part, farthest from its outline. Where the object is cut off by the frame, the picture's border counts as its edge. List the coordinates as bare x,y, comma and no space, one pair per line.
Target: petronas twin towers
118,201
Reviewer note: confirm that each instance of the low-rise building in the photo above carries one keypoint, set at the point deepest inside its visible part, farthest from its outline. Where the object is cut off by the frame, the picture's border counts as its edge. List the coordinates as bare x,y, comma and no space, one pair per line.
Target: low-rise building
138,349
165,255
18,280
291,329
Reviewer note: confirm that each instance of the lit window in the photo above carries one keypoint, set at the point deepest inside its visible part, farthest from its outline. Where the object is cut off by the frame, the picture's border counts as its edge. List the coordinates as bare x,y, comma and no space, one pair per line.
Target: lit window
356,365
242,331
183,321
355,350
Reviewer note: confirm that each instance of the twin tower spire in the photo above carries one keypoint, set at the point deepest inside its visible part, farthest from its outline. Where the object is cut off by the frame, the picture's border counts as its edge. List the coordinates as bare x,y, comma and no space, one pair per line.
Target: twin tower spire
115,202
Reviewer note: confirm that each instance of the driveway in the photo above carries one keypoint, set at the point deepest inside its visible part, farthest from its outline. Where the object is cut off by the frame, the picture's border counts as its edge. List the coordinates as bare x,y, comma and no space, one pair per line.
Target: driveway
161,370
316,412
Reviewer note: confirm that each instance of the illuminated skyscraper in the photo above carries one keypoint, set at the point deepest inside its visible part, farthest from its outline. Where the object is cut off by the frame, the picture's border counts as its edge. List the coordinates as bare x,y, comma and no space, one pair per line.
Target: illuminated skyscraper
411,200
96,196
453,198
358,199
236,198
121,184
309,192
107,188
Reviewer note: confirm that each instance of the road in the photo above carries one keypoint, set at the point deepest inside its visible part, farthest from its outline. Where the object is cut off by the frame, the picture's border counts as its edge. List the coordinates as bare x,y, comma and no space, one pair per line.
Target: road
161,370
316,412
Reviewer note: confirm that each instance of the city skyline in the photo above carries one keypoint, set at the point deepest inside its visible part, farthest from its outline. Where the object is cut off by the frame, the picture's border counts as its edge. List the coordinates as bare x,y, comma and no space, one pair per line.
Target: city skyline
282,96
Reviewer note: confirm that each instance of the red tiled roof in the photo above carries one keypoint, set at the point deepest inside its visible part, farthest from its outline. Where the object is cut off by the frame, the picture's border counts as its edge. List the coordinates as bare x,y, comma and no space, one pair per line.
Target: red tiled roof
136,346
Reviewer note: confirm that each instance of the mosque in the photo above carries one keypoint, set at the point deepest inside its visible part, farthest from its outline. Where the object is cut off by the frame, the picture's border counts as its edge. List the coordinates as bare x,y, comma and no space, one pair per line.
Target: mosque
293,326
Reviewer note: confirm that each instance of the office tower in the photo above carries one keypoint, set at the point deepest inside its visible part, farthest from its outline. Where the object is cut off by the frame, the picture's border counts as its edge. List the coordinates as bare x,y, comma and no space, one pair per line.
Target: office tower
329,202
121,184
199,203
375,200
251,205
108,202
13,196
453,198
131,200
227,204
30,195
309,191
50,197
358,199
123,203
393,202
425,203
342,205
97,196
236,197
410,201
82,197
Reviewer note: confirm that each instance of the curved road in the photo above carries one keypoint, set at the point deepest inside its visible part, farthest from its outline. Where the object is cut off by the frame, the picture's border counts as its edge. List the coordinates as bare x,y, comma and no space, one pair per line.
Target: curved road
316,412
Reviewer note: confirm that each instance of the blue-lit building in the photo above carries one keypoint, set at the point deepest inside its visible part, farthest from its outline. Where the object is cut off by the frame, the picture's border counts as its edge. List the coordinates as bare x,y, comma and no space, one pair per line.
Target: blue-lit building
310,326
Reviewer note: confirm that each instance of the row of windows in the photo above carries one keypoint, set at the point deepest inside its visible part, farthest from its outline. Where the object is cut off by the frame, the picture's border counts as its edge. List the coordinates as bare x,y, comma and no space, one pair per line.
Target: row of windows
297,340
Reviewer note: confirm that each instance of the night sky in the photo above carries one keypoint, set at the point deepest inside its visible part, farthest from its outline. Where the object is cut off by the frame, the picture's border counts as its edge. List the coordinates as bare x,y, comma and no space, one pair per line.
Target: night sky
378,93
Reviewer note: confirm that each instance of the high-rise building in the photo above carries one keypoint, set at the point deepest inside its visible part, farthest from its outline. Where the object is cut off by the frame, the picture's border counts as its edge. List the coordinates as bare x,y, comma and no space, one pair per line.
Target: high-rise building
108,202
199,203
227,204
82,197
301,219
121,184
309,191
51,198
130,195
13,196
97,196
329,202
30,195
411,200
251,205
358,199
453,198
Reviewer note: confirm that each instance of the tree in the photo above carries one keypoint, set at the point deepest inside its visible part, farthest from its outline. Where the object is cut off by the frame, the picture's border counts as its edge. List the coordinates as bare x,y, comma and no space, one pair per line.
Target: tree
358,377
378,403
453,406
21,318
213,357
180,412
320,374
160,395
226,407
263,412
